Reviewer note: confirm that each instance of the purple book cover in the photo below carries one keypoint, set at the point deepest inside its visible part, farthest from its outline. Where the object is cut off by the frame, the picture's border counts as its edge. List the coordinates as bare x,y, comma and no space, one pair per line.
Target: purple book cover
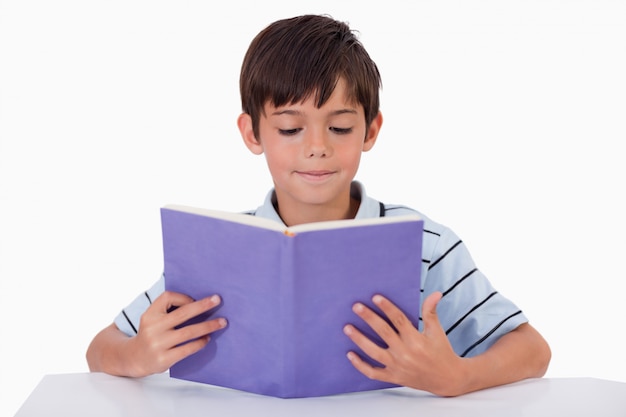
287,298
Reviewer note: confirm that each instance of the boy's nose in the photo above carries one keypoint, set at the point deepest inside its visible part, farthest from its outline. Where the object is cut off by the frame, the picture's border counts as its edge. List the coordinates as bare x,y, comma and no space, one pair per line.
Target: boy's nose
316,145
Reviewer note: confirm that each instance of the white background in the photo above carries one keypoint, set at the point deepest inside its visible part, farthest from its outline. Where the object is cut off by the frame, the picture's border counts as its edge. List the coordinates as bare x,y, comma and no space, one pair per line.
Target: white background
504,120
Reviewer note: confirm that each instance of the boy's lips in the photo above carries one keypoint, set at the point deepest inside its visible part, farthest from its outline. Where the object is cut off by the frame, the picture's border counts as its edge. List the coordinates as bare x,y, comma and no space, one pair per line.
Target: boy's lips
316,175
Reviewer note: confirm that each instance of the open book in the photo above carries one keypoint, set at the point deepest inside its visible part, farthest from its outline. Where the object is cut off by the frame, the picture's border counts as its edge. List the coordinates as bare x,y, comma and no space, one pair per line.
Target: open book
287,293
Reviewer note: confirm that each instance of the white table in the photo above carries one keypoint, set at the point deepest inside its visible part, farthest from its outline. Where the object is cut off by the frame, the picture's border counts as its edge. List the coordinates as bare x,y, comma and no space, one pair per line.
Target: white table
96,394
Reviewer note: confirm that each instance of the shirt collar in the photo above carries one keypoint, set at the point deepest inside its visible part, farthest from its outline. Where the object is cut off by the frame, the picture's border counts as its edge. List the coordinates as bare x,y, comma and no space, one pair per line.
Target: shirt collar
367,209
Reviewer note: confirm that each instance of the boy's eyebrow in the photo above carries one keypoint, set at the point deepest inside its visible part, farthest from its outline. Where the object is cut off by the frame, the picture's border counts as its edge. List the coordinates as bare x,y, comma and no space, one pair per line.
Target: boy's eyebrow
292,112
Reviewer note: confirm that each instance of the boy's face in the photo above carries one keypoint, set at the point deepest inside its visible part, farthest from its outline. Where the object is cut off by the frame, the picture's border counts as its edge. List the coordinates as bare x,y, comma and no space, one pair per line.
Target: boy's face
312,153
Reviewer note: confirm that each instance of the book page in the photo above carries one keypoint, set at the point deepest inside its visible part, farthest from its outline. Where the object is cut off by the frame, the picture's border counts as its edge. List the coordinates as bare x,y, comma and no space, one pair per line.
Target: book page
230,216
337,224
279,227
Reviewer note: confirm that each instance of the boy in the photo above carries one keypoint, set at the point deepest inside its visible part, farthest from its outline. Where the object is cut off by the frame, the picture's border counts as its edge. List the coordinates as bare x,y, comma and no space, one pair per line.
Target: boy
310,98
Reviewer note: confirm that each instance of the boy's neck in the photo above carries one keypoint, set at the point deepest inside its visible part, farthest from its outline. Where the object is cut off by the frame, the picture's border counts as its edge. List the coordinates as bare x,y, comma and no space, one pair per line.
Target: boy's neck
292,216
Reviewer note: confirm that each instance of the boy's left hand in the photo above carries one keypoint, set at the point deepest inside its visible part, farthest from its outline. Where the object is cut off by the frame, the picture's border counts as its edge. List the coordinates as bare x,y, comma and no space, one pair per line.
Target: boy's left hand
424,361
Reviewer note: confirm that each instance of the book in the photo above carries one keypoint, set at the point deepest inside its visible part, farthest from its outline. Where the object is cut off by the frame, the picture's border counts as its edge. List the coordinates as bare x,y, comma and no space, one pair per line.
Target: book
287,293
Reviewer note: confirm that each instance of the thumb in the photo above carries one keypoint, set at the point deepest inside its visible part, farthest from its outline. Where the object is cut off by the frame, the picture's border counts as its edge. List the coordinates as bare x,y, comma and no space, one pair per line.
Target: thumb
429,312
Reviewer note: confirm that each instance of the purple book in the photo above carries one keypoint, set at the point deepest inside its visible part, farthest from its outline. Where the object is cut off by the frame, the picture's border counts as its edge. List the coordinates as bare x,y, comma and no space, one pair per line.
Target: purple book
287,294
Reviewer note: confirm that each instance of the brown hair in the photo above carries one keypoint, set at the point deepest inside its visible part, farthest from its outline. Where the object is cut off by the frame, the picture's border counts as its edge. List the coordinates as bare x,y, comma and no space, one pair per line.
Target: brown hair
291,59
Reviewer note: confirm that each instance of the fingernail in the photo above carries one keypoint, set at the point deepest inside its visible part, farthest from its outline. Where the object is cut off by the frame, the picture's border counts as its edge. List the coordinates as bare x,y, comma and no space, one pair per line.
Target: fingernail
358,308
215,299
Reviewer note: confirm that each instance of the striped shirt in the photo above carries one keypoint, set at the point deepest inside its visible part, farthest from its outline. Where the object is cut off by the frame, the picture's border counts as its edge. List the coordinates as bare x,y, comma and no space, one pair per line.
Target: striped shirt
472,313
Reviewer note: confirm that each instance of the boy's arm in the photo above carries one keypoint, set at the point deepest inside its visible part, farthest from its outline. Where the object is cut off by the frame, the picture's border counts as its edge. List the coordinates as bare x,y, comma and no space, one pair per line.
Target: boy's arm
158,344
426,360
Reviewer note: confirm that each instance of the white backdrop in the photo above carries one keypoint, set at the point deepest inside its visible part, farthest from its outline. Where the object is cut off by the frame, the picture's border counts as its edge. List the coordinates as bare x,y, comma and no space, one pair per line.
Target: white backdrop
503,120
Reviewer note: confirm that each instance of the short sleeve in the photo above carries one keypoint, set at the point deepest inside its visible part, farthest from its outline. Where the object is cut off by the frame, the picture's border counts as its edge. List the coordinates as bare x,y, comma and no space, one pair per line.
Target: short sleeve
128,319
473,314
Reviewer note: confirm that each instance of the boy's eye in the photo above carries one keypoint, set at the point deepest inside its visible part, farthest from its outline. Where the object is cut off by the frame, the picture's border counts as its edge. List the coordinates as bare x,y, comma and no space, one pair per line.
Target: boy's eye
289,132
341,130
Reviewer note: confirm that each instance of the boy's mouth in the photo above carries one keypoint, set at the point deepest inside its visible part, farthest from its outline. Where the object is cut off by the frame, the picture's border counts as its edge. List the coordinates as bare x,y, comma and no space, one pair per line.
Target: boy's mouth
315,175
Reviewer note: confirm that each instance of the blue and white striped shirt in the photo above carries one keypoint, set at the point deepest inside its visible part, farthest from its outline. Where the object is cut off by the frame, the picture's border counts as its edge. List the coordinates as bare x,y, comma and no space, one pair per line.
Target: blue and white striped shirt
473,314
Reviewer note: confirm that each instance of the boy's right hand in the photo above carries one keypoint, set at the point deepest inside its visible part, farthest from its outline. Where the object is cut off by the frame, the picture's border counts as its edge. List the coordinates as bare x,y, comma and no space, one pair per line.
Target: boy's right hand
159,343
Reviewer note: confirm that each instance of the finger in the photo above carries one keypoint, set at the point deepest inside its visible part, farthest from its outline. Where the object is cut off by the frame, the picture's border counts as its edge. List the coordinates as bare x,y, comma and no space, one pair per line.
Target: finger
193,309
156,317
366,369
429,313
180,352
376,323
169,299
369,347
195,331
398,319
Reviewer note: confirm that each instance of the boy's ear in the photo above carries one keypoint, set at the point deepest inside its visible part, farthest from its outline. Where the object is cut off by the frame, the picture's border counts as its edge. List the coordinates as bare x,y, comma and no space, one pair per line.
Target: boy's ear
372,132
244,122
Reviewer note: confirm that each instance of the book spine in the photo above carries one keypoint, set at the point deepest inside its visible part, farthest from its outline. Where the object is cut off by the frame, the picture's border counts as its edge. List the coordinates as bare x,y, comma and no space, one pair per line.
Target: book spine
288,345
